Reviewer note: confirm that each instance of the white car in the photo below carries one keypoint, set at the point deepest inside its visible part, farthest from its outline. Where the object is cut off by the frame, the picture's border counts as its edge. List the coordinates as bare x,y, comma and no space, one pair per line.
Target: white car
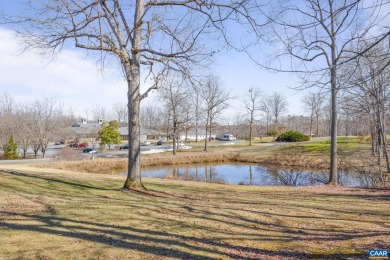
228,138
145,143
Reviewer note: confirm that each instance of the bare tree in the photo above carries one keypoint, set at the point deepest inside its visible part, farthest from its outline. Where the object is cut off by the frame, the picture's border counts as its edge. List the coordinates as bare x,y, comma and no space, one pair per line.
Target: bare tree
45,119
22,131
175,93
313,103
155,34
215,100
276,106
151,116
370,92
317,35
187,119
7,104
120,113
252,105
236,125
7,110
197,105
264,107
99,113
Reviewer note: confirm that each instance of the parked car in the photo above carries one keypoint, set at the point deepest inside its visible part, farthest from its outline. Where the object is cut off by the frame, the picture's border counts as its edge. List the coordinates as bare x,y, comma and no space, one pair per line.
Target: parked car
59,142
145,143
90,150
72,145
124,147
82,145
160,142
228,138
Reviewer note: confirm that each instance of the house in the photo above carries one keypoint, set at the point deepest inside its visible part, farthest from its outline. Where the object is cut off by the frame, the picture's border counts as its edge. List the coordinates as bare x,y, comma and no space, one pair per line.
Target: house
84,131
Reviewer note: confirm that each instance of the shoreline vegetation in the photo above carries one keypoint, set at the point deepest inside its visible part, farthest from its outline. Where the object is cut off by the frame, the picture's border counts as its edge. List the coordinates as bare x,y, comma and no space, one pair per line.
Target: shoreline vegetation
312,155
111,165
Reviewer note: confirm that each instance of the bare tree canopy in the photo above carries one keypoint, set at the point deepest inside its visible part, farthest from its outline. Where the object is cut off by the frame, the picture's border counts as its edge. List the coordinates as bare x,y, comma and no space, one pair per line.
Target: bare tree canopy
274,106
161,35
252,105
175,93
314,38
120,113
215,100
313,103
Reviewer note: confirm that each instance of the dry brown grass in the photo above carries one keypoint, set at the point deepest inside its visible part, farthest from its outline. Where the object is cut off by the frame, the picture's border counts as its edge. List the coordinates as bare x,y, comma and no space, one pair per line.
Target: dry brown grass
53,214
113,165
101,165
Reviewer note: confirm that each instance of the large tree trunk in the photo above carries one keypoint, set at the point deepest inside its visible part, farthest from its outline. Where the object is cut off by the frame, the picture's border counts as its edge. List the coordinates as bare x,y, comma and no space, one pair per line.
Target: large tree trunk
134,168
333,129
133,73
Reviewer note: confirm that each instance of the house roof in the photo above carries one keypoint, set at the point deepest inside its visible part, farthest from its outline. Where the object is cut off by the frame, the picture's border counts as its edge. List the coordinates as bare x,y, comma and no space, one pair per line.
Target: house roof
85,127
94,127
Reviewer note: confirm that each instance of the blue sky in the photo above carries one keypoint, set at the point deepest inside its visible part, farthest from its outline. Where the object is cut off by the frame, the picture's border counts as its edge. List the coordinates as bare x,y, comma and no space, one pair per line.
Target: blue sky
76,81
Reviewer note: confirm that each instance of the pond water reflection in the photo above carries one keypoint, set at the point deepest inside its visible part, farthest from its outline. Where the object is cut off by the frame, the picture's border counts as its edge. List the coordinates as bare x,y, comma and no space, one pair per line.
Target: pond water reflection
250,175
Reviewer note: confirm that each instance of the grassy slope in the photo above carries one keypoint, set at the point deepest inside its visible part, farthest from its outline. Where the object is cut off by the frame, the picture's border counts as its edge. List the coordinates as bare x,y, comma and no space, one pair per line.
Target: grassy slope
53,214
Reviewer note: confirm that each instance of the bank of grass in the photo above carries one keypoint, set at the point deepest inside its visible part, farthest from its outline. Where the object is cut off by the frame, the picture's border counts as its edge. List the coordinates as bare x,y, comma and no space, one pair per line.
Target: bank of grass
313,154
53,214
316,147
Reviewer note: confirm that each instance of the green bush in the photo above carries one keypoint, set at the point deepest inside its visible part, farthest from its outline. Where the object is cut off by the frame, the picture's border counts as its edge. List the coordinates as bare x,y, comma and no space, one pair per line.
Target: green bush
11,153
273,133
292,136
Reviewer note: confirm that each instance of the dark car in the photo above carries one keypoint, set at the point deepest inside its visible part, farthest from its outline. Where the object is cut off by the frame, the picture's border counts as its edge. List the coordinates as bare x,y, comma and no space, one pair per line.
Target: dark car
160,142
124,147
89,150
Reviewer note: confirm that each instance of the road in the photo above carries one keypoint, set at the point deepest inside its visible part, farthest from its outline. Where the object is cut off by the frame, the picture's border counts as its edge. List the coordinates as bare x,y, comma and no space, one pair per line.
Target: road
53,151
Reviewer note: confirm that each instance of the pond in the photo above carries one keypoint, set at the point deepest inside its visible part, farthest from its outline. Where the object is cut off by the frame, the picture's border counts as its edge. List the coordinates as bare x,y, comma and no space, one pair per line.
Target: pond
244,174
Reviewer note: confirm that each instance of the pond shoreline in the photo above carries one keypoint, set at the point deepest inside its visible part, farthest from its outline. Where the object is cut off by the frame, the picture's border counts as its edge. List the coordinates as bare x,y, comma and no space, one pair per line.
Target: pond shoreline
112,165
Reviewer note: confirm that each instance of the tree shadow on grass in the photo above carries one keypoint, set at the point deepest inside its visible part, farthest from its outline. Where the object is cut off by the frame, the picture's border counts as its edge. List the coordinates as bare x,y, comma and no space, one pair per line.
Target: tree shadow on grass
56,180
370,193
173,244
120,237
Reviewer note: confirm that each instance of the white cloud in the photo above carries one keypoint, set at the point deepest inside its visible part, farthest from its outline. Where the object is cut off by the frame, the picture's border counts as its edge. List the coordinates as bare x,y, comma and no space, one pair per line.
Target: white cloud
72,78
76,80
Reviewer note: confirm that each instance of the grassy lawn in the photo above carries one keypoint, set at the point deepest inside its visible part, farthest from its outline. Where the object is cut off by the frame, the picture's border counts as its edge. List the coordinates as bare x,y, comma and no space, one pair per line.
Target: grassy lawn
54,214
315,147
